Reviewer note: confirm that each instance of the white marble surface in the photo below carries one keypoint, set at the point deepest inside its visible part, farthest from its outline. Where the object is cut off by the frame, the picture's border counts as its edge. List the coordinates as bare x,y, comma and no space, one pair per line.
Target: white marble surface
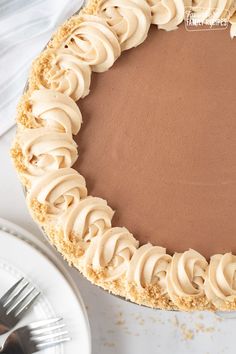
119,327
25,28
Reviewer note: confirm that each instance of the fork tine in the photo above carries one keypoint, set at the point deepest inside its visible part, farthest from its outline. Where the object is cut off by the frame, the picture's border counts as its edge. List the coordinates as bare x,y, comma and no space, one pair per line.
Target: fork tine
43,323
19,300
15,296
52,343
46,337
5,297
20,311
36,332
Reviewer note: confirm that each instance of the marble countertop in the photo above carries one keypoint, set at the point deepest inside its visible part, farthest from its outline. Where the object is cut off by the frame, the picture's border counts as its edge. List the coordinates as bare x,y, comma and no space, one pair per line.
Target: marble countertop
119,327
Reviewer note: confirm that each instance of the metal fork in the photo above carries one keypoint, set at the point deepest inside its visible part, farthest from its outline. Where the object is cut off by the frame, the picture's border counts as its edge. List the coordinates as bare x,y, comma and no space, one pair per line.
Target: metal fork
14,303
35,337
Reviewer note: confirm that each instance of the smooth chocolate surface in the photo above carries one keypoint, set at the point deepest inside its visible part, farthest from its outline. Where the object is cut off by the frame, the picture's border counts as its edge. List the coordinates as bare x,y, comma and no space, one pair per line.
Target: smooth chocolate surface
159,140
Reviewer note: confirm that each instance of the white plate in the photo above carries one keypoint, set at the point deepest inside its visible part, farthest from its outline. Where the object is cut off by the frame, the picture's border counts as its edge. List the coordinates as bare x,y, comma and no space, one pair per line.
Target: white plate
21,254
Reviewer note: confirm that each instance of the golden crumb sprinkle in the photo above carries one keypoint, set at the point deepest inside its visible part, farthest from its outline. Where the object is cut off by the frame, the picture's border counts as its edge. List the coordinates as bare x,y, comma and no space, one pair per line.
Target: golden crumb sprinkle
39,210
64,31
24,112
18,158
150,296
193,303
39,70
71,250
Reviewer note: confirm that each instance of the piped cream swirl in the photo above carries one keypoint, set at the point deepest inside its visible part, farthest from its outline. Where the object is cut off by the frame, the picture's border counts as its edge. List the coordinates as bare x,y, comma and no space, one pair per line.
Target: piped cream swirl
87,219
167,14
59,191
94,43
233,26
57,110
46,150
111,253
186,275
69,75
148,266
211,10
220,285
129,19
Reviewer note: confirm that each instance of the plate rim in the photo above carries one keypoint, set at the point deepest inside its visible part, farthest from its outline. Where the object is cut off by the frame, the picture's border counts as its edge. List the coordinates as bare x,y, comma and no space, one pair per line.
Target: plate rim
42,247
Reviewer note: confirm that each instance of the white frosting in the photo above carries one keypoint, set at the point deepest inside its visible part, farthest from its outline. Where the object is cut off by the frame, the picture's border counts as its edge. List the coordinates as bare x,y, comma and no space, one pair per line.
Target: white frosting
167,14
69,75
233,26
111,253
220,285
94,43
186,275
149,266
211,9
59,191
46,150
87,219
129,19
57,110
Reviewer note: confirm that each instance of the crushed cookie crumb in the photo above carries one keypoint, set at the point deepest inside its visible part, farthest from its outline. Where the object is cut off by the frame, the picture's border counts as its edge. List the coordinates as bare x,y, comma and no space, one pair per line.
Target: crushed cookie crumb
187,334
18,158
39,70
71,250
109,344
39,210
150,296
202,329
24,112
64,31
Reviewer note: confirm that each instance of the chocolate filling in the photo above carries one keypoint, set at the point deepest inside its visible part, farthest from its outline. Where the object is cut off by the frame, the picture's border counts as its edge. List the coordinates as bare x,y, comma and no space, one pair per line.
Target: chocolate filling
159,140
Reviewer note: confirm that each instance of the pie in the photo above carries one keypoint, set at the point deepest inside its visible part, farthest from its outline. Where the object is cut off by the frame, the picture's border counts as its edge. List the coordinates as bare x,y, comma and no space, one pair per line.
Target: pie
157,145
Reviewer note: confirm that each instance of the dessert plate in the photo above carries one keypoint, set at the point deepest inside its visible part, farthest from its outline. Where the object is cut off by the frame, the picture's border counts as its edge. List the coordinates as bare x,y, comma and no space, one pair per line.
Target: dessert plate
21,254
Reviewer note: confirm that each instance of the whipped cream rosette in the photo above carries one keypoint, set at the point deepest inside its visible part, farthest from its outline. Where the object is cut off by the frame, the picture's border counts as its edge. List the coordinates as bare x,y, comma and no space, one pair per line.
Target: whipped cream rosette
167,14
94,43
111,253
220,285
233,25
185,278
211,10
56,110
129,19
46,150
149,267
69,75
88,218
58,191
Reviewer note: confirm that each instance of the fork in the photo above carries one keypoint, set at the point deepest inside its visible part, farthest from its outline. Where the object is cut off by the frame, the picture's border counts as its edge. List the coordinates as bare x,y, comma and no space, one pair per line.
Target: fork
36,337
14,303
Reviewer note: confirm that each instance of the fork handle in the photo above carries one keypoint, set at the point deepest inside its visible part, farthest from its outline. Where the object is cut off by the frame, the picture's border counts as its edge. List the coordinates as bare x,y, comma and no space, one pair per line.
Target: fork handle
3,328
12,347
9,350
12,350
